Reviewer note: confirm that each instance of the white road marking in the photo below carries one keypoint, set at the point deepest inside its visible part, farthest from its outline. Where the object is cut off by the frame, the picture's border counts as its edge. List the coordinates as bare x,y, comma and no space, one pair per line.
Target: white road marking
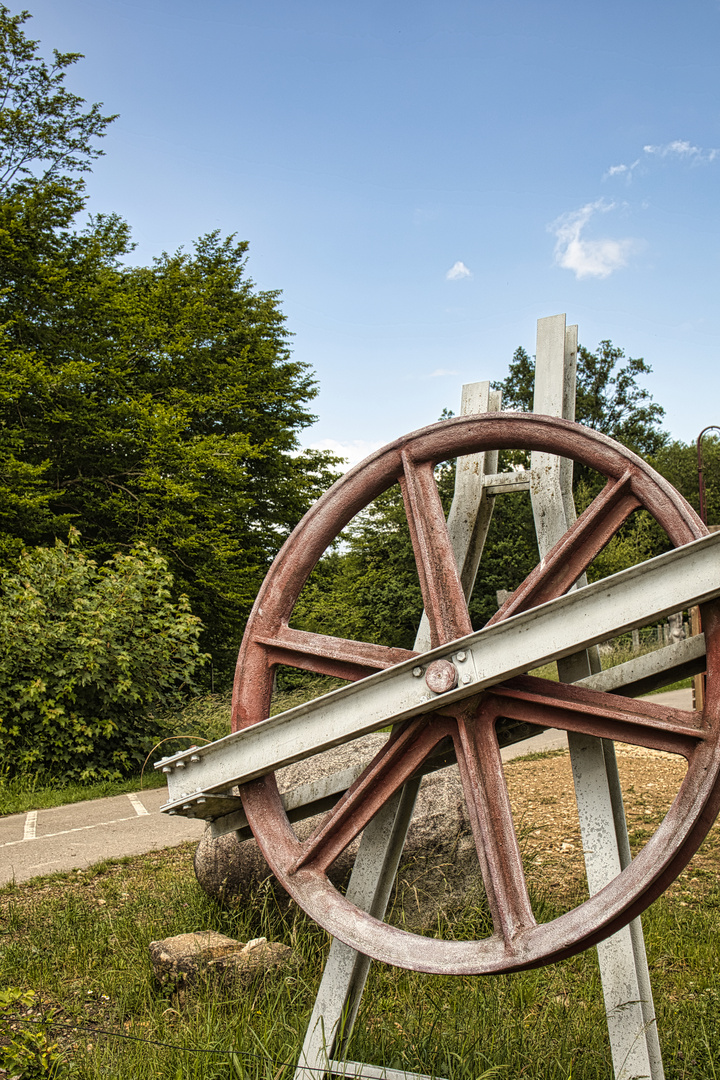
30,829
64,832
30,825
140,810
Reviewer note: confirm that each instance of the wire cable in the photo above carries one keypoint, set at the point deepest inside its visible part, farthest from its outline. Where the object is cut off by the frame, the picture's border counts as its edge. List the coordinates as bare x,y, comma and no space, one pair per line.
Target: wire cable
178,1046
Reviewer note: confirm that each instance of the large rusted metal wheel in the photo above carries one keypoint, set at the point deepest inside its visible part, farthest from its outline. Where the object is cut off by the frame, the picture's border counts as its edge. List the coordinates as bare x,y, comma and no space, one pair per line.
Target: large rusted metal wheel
518,940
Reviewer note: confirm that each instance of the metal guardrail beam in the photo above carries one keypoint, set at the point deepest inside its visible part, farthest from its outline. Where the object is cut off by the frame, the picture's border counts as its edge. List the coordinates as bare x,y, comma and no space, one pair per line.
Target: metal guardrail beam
688,575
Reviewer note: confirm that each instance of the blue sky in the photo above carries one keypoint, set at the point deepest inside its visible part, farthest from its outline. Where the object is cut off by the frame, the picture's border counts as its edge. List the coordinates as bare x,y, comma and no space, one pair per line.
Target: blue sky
423,181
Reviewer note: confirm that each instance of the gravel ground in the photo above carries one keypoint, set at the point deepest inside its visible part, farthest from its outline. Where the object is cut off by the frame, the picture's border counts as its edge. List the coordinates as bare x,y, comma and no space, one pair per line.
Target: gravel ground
543,801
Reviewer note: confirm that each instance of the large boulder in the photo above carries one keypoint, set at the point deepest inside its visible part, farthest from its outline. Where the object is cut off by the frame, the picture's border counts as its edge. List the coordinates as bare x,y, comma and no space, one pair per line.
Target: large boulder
439,871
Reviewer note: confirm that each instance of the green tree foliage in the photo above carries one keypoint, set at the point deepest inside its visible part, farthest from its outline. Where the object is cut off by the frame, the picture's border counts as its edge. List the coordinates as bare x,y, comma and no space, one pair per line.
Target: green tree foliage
157,403
169,415
88,654
47,141
678,462
642,537
609,398
44,133
370,590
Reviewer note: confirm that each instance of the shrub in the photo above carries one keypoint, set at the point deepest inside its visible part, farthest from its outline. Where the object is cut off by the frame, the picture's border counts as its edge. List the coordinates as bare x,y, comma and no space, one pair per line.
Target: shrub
90,659
28,1054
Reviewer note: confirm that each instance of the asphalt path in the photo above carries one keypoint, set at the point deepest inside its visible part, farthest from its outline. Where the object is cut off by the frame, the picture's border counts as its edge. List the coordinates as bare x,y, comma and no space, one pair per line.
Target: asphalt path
82,834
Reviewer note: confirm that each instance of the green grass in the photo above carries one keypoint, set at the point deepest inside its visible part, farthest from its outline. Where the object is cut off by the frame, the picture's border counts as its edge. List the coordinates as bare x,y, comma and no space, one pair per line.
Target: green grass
682,684
80,941
619,654
21,794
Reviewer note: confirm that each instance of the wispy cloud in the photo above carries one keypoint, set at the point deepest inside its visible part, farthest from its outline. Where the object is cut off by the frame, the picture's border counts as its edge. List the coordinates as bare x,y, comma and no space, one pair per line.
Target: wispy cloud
589,258
681,148
353,451
625,171
438,373
458,271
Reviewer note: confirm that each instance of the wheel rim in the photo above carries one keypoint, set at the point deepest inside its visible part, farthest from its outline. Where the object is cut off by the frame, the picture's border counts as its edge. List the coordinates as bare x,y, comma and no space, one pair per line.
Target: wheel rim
518,941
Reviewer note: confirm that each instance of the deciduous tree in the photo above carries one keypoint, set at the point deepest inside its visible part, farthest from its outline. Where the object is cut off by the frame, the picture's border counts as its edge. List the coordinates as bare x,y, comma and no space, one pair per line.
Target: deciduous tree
157,403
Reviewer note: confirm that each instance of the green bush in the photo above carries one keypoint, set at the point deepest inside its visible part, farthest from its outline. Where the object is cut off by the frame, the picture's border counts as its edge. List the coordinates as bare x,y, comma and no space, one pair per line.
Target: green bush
27,1054
90,659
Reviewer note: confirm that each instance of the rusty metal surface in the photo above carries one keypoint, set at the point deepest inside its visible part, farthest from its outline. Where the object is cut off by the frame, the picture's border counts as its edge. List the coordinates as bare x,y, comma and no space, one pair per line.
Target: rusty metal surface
517,941
441,676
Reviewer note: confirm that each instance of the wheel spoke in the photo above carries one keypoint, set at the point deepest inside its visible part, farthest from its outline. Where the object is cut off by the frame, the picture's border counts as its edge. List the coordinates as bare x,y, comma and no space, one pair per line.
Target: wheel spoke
491,820
608,716
327,655
419,743
574,552
439,578
401,756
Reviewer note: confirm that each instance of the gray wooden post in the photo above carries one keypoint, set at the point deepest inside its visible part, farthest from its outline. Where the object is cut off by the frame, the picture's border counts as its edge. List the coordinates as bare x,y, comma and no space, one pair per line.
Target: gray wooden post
371,881
623,964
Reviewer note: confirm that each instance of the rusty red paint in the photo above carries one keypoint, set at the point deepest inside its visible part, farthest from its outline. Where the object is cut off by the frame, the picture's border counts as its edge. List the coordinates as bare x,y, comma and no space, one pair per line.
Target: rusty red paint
442,591
441,676
405,751
517,942
576,549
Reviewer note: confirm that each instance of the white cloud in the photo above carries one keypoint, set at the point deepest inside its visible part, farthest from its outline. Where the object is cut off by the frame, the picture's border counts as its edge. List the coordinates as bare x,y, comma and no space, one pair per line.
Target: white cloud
438,373
588,258
458,271
353,451
622,170
683,149
680,149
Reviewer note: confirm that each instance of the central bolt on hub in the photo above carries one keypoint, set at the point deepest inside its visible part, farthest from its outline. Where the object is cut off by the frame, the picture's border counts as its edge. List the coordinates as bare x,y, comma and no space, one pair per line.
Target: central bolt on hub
441,676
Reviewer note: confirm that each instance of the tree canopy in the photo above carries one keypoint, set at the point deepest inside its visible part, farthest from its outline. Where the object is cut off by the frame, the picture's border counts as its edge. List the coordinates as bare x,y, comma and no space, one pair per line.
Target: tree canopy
154,403
609,397
678,462
44,133
166,408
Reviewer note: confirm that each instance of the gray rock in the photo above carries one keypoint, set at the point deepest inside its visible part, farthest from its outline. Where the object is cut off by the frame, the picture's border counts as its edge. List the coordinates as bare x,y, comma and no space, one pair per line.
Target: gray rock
439,871
181,959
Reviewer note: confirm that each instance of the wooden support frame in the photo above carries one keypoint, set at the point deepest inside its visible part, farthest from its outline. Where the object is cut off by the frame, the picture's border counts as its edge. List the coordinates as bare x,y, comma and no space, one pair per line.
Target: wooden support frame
626,982
343,981
629,1008
571,624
